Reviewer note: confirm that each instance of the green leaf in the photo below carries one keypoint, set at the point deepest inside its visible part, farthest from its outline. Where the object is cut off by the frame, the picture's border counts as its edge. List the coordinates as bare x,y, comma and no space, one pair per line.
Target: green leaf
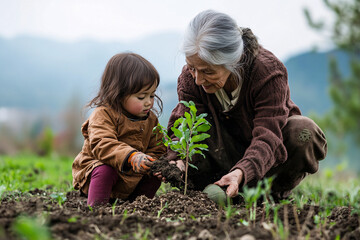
199,146
177,132
178,121
182,155
183,125
193,166
203,128
201,116
200,121
193,111
193,152
175,144
200,137
185,103
187,135
183,142
188,119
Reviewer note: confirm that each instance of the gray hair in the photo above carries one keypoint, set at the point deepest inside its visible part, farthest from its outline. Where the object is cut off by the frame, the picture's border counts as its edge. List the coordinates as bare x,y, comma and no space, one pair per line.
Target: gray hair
216,38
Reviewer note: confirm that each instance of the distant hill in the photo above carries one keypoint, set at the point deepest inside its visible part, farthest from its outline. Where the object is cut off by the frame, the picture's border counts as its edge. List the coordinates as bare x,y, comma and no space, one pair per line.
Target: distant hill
308,78
43,74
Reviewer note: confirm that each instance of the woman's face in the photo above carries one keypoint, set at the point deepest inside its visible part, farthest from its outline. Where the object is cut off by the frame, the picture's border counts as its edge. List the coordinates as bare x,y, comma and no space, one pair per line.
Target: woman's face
210,77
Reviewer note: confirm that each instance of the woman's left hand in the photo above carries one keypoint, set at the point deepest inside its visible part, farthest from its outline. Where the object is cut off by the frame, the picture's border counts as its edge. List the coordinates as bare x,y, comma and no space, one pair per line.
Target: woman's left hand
232,180
159,176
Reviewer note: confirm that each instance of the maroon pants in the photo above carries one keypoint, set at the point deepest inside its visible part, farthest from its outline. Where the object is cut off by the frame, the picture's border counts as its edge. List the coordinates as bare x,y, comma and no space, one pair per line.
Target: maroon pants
104,177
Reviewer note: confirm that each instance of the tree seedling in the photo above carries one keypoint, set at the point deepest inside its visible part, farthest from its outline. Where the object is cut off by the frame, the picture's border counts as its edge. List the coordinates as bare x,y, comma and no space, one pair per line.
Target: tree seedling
161,208
124,217
251,195
113,206
230,211
189,130
60,198
90,208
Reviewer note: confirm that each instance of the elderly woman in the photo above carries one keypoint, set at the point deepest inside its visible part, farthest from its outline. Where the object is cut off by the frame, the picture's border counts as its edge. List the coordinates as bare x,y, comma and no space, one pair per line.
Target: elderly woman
257,130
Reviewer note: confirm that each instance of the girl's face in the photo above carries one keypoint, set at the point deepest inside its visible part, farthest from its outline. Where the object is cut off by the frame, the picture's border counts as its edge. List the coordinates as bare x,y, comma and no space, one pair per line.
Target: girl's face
210,77
140,103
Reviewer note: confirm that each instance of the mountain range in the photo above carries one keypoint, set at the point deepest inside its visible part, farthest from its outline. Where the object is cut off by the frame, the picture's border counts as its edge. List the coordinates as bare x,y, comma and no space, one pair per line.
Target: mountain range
39,74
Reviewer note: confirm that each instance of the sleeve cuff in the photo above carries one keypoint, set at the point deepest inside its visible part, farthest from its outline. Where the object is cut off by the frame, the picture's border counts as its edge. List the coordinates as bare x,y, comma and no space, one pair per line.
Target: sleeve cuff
248,169
125,166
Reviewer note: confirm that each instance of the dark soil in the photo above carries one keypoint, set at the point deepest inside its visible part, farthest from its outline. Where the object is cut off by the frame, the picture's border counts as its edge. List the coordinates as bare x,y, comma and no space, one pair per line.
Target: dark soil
169,216
170,171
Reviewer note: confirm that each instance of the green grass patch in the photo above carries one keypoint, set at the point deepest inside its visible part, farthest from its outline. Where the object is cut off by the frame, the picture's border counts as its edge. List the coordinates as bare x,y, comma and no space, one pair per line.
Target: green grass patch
27,172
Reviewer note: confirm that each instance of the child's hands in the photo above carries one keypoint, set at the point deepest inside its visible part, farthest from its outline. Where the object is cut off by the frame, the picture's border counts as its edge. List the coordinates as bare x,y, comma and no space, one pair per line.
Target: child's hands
140,162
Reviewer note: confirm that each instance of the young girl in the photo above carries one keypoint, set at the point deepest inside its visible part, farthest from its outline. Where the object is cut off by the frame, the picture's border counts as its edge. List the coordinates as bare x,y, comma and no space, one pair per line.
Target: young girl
119,144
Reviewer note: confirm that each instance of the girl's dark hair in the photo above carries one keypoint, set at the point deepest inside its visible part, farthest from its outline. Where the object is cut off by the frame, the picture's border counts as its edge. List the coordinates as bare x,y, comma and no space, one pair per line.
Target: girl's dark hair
125,74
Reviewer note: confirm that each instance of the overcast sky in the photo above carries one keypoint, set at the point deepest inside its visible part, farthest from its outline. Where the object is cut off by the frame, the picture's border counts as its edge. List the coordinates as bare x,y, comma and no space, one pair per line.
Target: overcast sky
279,24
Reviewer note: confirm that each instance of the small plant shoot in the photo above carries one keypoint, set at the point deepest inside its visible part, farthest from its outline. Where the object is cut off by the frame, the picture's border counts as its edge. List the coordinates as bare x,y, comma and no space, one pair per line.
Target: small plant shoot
190,130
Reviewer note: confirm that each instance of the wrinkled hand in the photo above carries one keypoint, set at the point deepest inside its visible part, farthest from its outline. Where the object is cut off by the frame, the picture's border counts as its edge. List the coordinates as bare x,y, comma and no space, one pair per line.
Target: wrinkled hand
232,180
180,164
140,162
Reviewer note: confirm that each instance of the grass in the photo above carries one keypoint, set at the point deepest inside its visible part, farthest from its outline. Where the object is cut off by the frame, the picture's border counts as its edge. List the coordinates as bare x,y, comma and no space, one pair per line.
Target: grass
336,186
28,172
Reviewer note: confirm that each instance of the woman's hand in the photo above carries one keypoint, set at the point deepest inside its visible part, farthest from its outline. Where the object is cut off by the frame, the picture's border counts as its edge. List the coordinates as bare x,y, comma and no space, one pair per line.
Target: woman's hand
180,164
232,180
159,176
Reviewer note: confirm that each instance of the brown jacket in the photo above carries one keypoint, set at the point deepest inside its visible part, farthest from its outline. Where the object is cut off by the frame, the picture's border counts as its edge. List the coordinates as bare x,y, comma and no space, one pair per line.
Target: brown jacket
109,138
249,136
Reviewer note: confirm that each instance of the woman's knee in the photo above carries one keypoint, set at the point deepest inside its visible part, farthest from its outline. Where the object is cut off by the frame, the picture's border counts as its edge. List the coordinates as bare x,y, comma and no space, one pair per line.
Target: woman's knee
305,143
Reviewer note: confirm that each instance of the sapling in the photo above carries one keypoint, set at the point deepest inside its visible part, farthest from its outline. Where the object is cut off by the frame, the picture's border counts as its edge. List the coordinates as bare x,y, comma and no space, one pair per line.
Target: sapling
113,207
268,199
90,208
251,195
230,211
161,208
285,203
124,217
189,130
60,198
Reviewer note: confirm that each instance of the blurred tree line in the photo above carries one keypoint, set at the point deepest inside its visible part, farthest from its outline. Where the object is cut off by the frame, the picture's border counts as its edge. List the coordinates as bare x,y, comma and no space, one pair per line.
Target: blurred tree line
344,118
45,135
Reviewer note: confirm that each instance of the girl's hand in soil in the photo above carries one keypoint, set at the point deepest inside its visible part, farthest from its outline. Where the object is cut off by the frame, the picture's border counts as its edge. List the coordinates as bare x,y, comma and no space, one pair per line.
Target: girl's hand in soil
232,180
140,162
